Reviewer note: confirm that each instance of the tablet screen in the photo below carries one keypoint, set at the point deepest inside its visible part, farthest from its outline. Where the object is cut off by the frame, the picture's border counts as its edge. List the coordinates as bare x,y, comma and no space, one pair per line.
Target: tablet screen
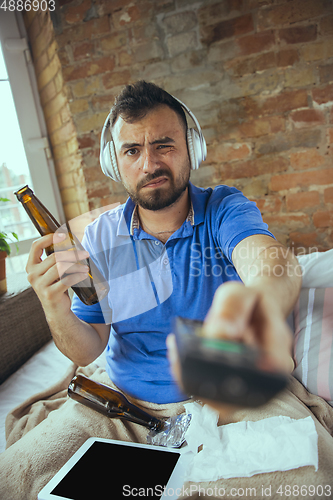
109,470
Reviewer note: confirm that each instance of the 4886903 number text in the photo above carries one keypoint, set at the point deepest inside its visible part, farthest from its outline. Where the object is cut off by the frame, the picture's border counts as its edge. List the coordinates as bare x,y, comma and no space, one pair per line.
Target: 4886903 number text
27,5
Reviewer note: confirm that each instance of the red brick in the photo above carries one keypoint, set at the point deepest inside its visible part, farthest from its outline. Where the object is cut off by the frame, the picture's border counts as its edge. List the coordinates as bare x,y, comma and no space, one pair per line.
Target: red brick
294,11
229,152
330,135
331,115
125,59
82,50
253,64
79,106
111,201
252,168
299,34
303,239
269,204
287,57
326,73
277,124
299,201
308,178
227,29
116,78
93,174
209,14
317,51
129,15
286,101
305,160
328,195
77,13
255,128
259,42
90,68
98,192
86,141
113,41
290,221
82,31
326,25
90,123
110,7
276,143
323,95
323,218
101,102
63,56
307,118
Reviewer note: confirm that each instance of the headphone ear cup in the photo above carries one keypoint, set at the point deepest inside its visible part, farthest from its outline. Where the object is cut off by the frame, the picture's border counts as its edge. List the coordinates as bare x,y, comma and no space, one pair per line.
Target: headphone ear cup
194,148
114,164
108,161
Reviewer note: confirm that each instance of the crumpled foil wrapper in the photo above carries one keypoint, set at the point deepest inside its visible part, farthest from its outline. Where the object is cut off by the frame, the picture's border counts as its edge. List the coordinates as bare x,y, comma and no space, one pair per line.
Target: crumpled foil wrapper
173,433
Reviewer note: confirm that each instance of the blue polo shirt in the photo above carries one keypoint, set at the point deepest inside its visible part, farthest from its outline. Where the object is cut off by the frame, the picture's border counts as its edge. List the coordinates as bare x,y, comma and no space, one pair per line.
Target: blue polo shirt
151,282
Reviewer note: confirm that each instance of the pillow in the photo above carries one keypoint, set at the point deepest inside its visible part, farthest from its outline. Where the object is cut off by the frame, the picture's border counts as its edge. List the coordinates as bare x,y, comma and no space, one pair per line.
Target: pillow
23,330
313,344
317,268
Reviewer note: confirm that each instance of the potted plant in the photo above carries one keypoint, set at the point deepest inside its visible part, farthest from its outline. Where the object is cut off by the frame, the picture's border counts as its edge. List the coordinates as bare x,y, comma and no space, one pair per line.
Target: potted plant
5,250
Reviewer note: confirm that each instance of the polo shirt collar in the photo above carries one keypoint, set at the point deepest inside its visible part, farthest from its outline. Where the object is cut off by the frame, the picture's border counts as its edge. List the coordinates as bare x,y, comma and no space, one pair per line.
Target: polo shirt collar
130,221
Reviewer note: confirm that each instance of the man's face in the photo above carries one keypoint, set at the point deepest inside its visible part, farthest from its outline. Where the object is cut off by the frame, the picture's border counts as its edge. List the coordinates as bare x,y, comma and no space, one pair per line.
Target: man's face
152,158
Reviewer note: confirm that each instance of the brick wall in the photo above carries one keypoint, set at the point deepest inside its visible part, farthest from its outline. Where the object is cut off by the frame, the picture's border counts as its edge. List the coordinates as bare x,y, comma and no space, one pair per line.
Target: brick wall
59,120
257,73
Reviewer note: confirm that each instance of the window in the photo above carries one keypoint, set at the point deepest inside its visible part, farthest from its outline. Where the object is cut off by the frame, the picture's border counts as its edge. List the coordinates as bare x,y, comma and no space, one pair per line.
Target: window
24,153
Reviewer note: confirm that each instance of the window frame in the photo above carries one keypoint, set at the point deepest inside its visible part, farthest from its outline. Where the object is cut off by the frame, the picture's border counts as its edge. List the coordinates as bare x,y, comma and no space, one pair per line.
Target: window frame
22,79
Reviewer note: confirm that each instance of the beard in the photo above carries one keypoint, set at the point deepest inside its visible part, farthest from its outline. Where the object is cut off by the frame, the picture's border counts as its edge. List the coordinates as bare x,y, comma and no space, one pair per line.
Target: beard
161,197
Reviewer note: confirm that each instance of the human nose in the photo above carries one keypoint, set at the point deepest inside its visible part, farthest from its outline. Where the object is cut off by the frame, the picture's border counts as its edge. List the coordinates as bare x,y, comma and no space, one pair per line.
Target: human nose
149,161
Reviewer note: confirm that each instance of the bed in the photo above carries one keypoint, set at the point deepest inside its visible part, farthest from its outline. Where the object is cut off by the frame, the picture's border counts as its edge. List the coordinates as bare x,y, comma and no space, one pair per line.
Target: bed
30,361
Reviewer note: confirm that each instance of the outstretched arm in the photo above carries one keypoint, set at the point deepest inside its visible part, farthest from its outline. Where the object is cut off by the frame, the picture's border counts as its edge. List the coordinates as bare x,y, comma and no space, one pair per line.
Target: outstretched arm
255,313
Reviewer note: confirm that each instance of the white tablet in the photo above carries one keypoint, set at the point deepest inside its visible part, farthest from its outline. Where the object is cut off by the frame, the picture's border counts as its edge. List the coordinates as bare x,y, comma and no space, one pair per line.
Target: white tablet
106,468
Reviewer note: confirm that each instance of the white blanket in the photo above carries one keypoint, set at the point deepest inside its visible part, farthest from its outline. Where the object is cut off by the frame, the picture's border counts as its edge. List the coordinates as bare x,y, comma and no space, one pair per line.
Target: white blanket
41,371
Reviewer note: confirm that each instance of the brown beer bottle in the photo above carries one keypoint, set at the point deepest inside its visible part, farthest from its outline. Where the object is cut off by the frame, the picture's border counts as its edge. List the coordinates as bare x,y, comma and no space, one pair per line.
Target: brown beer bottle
109,402
91,290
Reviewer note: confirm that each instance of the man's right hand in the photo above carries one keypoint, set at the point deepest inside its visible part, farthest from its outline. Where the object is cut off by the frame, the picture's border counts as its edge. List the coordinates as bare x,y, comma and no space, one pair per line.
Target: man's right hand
53,276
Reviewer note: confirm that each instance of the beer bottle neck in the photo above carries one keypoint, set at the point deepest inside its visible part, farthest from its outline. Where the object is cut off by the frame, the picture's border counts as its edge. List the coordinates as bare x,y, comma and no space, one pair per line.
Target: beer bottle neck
44,222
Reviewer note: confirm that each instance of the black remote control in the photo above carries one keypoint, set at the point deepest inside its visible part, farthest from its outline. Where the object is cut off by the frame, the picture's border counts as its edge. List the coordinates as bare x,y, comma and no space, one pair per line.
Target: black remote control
222,370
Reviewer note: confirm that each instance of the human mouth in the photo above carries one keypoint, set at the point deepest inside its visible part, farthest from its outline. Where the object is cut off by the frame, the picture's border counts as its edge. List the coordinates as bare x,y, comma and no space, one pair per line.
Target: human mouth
156,182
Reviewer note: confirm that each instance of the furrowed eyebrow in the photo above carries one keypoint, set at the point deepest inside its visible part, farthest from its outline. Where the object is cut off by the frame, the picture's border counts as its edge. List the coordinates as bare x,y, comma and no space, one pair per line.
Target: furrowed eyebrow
130,145
161,140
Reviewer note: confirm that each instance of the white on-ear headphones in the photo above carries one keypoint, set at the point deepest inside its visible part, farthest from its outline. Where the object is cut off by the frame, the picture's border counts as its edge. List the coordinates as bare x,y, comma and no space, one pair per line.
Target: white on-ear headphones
195,142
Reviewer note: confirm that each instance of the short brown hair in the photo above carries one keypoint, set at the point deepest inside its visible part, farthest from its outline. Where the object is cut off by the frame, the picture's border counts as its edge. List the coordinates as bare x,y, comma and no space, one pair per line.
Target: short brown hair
137,99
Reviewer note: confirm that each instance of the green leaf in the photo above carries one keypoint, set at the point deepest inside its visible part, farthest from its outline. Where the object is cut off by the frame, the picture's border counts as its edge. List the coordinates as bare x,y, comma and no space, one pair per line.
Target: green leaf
4,247
4,199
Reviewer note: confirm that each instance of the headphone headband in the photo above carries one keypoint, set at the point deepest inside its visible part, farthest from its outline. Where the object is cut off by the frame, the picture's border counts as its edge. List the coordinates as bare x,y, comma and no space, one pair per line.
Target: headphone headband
195,141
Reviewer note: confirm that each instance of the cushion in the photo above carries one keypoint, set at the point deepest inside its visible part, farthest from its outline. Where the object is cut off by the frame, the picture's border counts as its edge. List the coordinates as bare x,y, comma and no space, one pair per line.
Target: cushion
313,345
23,330
317,269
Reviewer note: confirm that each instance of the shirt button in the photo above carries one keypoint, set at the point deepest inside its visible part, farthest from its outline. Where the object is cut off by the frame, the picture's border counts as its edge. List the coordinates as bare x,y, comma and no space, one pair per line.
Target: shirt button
157,242
165,262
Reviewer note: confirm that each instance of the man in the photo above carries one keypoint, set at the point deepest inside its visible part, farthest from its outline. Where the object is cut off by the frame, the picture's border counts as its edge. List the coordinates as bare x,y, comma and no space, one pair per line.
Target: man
153,162
160,252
